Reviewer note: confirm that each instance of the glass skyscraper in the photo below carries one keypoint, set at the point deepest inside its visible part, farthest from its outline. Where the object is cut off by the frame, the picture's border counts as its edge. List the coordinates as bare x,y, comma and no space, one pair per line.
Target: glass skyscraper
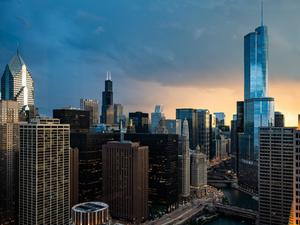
258,107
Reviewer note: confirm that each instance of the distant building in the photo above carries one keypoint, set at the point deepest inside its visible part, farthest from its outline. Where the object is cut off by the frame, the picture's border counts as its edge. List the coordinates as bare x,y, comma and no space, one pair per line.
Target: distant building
212,127
44,188
90,163
156,117
92,106
107,109
203,131
279,119
90,213
163,170
17,83
191,116
125,180
220,118
140,121
276,172
118,113
185,161
222,145
173,126
78,119
198,168
9,150
74,176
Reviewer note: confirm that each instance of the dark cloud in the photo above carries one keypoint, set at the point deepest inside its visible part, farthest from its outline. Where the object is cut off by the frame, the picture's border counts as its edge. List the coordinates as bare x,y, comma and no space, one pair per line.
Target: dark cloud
69,45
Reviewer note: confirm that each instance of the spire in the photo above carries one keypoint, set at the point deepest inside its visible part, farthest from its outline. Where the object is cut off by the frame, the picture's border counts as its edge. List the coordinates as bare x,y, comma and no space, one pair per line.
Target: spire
108,75
262,12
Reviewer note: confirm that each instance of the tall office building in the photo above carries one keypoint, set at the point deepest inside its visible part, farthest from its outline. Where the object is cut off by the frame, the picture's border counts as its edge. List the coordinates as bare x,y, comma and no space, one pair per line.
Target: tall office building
173,126
90,163
74,176
198,168
203,138
212,127
258,107
118,113
163,170
125,180
276,172
279,119
185,160
17,83
107,109
78,119
295,218
220,119
191,116
140,121
156,116
92,106
44,173
9,148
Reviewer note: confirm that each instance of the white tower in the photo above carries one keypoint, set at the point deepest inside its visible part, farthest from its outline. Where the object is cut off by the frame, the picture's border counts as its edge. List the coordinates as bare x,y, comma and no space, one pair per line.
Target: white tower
198,168
185,160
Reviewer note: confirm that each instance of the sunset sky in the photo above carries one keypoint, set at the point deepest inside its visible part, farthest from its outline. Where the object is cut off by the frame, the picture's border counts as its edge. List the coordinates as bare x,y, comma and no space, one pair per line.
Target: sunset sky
179,53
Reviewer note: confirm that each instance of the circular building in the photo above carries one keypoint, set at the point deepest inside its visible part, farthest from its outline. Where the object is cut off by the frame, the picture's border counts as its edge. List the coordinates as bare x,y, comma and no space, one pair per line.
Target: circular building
90,213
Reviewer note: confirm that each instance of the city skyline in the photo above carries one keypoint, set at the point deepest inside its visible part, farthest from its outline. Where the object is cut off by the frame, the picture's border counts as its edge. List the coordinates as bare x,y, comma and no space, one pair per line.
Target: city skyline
176,63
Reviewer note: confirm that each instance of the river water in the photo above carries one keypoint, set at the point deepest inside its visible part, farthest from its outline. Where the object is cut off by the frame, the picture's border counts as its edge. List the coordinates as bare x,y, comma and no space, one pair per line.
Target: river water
239,199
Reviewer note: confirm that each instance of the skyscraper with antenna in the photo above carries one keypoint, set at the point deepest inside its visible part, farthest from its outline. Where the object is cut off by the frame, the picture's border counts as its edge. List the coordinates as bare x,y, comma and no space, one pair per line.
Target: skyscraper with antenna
258,107
107,110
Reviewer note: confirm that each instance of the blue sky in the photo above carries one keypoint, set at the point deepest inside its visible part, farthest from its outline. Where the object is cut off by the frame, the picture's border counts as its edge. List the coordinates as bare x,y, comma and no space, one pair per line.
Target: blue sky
176,52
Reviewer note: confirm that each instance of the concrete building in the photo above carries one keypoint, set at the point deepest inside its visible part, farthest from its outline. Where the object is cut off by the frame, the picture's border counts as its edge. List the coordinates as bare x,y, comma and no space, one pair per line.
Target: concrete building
276,172
185,160
44,173
125,180
90,213
198,168
92,106
295,218
9,149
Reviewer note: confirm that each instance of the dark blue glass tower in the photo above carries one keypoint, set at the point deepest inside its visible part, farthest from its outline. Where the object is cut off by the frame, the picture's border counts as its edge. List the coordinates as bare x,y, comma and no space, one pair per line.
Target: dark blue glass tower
258,107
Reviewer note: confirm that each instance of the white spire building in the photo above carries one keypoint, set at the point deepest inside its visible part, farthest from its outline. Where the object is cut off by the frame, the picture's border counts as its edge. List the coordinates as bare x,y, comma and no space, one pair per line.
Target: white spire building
185,160
198,168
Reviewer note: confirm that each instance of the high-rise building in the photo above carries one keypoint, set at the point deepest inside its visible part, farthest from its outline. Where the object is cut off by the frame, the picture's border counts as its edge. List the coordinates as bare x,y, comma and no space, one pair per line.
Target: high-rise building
222,144
140,121
156,116
220,119
173,126
107,109
296,179
198,168
17,83
118,113
163,169
90,163
186,166
44,172
191,116
78,119
90,213
203,130
9,148
92,106
258,107
74,176
212,127
276,172
279,119
125,180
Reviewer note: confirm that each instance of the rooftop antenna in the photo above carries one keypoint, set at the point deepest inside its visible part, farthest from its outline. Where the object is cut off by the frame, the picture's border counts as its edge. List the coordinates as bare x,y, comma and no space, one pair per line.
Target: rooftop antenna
107,75
262,12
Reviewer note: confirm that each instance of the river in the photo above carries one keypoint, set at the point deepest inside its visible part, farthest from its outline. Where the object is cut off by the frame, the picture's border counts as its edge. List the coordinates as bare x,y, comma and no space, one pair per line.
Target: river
239,199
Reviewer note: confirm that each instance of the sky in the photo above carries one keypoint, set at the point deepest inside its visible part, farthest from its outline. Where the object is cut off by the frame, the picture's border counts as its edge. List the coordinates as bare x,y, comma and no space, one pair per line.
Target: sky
178,53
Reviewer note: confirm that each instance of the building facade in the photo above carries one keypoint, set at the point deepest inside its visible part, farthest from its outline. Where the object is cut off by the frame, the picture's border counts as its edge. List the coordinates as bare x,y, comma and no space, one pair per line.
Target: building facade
186,165
44,173
203,138
279,119
276,172
156,117
118,113
198,168
125,180
140,121
9,149
92,106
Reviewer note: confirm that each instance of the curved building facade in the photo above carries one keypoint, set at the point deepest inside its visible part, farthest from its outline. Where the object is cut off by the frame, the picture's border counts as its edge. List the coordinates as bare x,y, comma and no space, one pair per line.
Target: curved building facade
90,213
